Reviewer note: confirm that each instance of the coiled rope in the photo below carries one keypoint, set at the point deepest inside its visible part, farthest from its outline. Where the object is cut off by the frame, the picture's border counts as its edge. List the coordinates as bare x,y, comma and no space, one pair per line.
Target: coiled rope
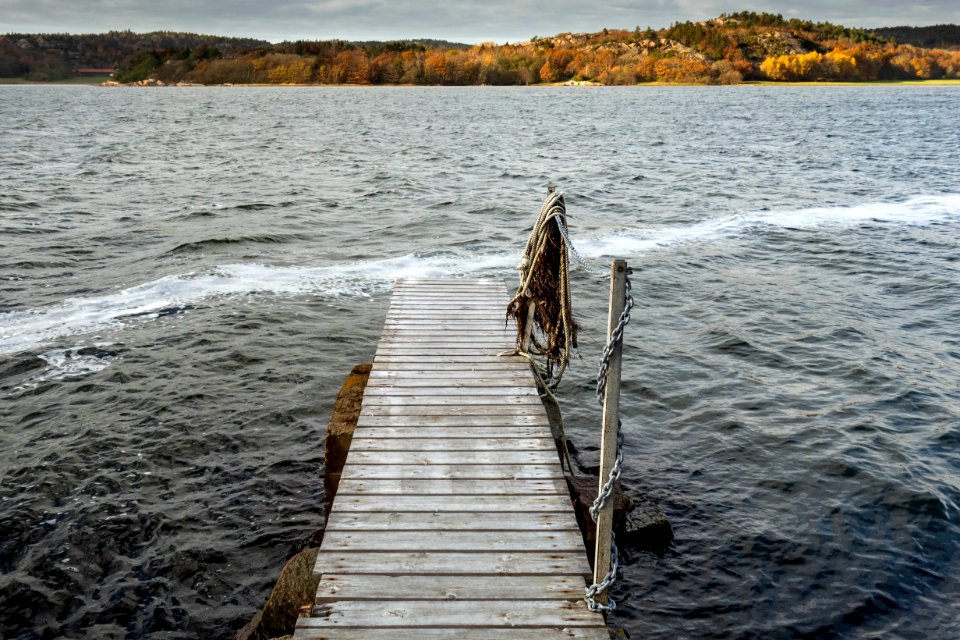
545,289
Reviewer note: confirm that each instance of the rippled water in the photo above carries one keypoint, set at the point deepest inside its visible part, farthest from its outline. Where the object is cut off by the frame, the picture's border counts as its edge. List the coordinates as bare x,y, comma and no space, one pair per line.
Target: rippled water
188,274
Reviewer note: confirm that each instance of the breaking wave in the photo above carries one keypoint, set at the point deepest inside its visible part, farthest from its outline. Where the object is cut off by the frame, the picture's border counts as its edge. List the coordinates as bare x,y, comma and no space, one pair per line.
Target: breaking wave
175,293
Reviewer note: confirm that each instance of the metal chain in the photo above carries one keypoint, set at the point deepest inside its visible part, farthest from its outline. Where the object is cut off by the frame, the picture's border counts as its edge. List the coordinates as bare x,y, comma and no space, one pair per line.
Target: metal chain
589,268
606,491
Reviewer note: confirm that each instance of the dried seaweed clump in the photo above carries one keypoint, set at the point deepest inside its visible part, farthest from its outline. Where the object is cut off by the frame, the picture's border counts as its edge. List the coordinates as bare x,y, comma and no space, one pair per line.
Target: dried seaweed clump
545,288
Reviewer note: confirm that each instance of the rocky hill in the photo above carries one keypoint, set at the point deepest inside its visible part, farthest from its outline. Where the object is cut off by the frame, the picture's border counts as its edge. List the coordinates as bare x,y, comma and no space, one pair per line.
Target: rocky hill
54,56
729,49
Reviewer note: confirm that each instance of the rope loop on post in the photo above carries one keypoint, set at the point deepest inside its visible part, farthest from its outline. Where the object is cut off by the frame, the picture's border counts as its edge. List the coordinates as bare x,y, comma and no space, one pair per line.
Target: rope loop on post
542,306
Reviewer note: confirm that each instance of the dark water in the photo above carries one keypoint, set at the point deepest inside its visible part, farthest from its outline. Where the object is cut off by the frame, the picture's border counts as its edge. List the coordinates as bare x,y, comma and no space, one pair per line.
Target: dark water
186,275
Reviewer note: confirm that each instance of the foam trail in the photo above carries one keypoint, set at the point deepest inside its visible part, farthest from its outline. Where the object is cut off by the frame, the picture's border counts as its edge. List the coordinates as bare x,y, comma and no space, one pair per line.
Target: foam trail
20,330
921,210
24,329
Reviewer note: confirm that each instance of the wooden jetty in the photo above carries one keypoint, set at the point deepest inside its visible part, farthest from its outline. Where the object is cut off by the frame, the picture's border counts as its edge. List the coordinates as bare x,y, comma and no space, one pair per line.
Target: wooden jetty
452,519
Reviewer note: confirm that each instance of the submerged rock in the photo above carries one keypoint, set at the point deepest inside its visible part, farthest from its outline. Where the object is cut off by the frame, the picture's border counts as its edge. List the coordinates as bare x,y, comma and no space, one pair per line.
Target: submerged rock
296,588
295,591
646,526
343,422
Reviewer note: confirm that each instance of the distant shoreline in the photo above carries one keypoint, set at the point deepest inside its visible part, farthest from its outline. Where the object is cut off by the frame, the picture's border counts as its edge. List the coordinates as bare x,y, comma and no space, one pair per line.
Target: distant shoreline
100,82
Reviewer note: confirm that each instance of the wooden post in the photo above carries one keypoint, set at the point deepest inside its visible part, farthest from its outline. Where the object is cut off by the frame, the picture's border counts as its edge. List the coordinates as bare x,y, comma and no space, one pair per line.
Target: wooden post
528,327
611,415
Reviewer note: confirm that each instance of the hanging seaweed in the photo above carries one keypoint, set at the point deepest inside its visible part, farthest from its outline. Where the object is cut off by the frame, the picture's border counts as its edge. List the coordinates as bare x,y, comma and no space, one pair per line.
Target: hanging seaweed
544,291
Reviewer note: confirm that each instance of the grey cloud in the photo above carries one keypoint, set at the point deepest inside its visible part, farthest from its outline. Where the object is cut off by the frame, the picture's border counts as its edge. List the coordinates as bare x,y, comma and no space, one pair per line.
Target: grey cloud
499,20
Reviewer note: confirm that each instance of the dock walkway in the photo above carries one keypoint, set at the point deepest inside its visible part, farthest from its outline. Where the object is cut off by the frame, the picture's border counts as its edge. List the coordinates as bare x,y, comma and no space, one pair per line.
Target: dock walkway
452,519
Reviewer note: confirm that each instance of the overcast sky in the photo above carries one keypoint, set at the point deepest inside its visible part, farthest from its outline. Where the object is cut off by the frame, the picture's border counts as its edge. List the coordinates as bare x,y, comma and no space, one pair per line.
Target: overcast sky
459,20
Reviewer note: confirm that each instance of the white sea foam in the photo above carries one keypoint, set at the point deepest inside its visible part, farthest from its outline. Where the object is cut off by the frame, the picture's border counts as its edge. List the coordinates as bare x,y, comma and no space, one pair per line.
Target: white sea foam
67,363
922,210
22,329
25,329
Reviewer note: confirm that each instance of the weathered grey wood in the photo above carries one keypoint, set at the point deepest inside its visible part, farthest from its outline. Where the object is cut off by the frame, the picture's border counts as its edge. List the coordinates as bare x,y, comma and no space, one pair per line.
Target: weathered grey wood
453,381
447,410
429,503
380,587
453,457
449,390
450,521
514,370
452,613
483,420
449,471
448,562
608,443
418,338
399,367
446,358
552,486
360,443
485,304
568,540
447,352
450,633
443,325
466,433
452,518
462,400
491,325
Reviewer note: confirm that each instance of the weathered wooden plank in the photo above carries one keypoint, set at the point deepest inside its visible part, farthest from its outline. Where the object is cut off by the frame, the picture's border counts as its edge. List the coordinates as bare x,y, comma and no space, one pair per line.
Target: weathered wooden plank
493,324
453,613
361,443
429,503
483,420
462,541
449,633
417,337
373,391
451,472
419,334
453,381
449,562
497,345
504,356
463,400
552,486
399,366
450,294
474,370
480,304
379,587
541,456
459,359
452,521
490,302
448,410
463,327
466,433
417,350
406,280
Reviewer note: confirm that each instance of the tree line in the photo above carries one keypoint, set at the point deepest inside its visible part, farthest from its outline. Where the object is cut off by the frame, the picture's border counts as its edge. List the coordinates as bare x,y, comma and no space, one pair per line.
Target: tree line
729,49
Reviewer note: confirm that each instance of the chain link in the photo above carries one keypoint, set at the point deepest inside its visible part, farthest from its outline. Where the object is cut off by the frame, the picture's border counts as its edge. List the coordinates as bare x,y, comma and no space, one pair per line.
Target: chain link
606,491
589,268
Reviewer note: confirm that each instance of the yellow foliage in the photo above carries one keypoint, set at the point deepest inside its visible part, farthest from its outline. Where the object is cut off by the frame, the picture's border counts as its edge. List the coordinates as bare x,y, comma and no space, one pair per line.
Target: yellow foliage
840,66
680,70
296,72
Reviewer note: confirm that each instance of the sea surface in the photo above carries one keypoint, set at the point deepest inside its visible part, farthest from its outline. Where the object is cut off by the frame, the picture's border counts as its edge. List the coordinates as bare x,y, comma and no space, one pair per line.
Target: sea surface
188,274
